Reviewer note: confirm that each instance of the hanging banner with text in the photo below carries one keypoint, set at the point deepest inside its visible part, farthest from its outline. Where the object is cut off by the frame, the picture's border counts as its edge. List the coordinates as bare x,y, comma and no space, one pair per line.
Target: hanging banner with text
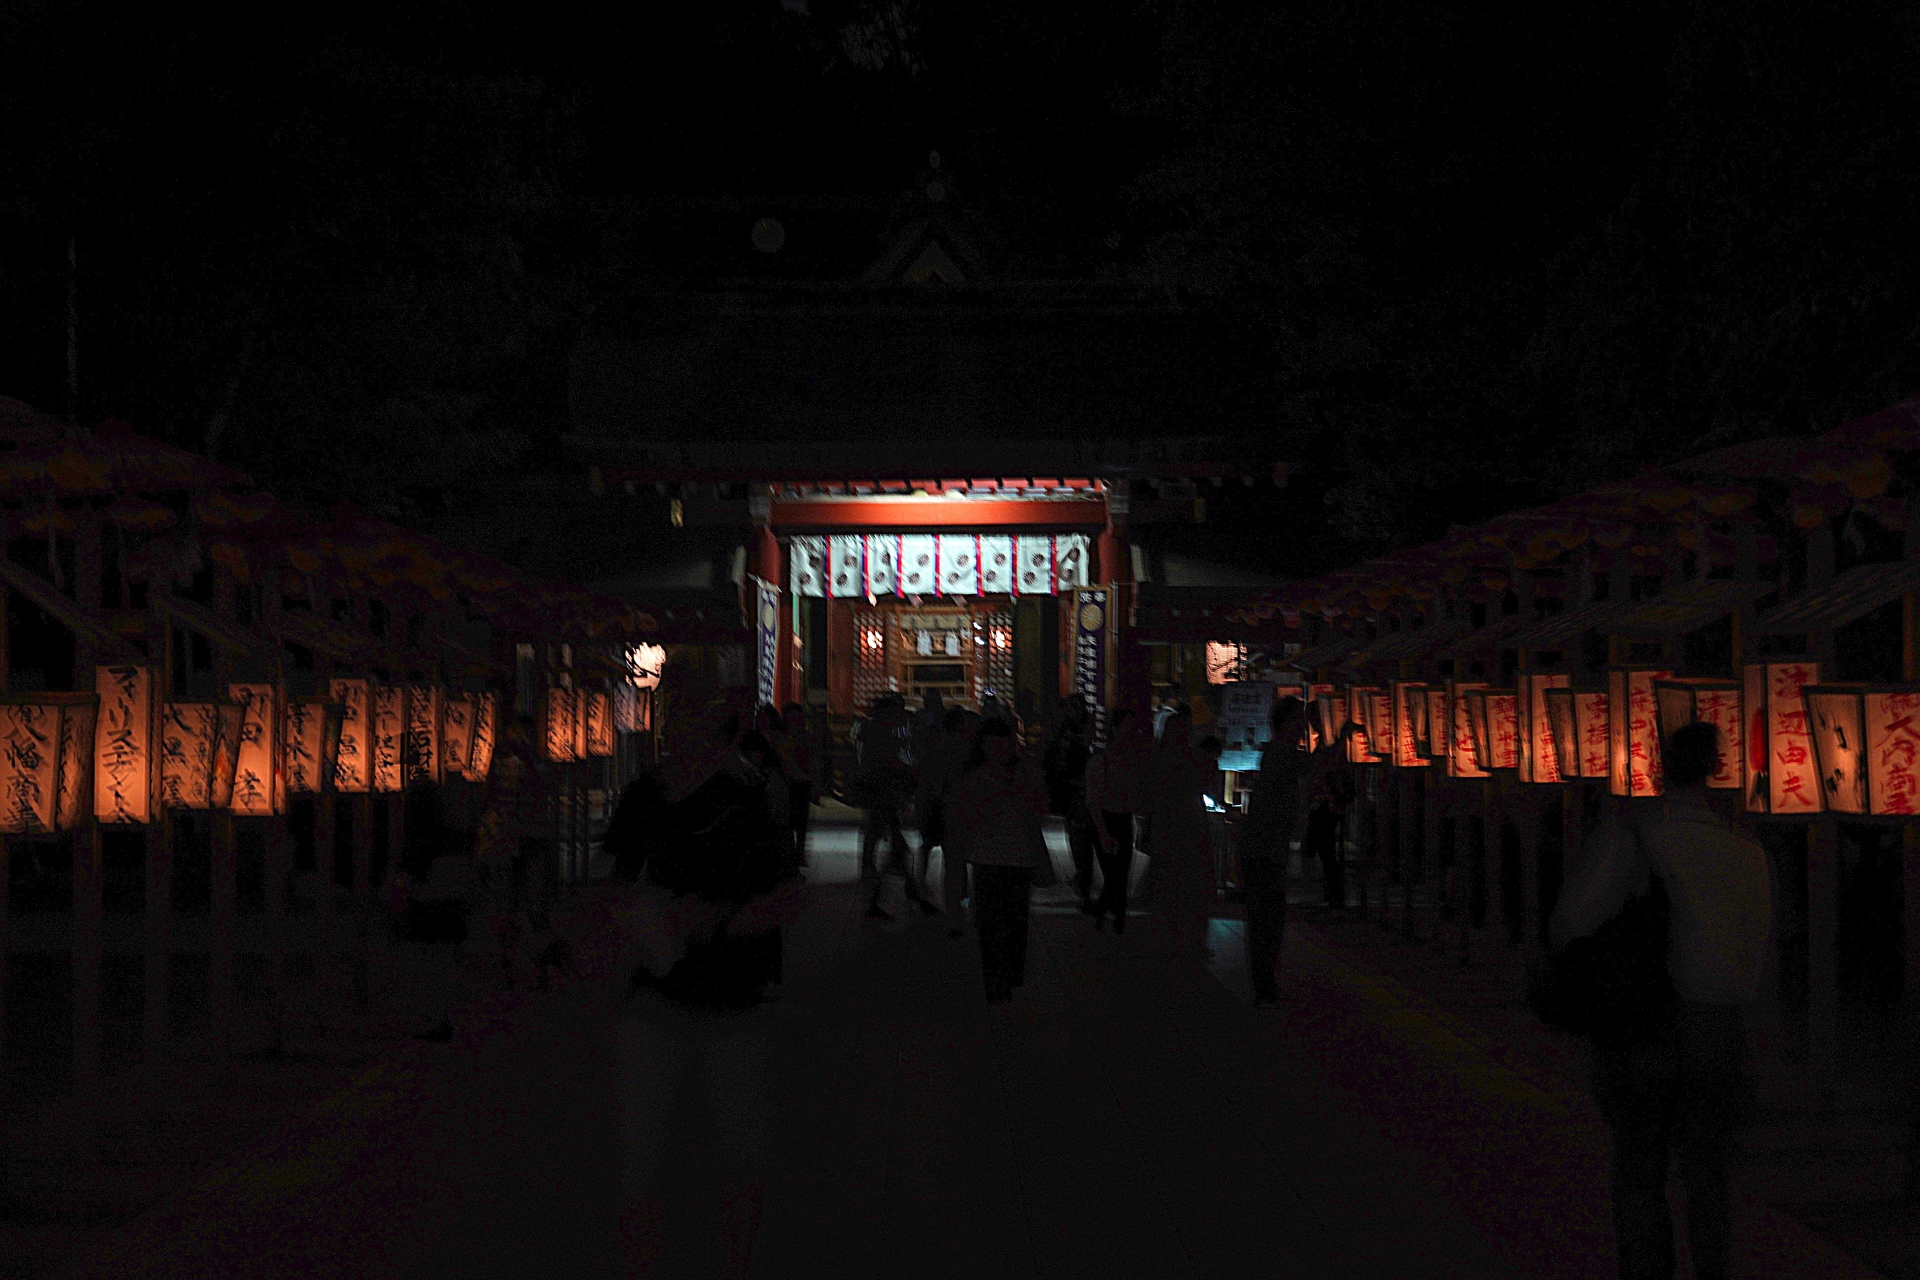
766,622
1090,617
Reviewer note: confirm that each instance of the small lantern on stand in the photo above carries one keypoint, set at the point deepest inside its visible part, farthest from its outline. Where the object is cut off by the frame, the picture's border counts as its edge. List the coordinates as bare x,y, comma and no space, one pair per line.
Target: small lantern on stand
1780,776
46,765
199,738
1716,702
123,745
353,753
1494,715
1363,747
1633,733
1463,759
258,789
1556,701
1541,759
1410,725
310,742
1866,740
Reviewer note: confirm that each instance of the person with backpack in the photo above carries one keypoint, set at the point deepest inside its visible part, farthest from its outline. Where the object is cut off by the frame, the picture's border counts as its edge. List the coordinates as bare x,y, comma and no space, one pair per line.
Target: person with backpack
696,1015
1660,939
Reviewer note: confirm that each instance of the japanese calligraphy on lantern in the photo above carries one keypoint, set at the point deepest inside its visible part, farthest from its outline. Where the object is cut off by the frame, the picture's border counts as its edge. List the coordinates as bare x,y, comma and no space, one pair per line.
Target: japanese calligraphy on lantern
1503,730
1565,739
1634,734
122,746
386,733
598,720
1090,615
1409,713
1463,761
420,752
456,733
1540,761
303,743
1839,746
255,772
76,760
1439,722
1363,747
1781,771
563,713
1893,751
188,731
480,758
29,767
626,707
1720,707
352,757
1593,721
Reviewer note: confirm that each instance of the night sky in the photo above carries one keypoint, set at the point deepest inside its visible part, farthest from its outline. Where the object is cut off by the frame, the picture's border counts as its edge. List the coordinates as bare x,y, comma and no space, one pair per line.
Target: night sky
1497,251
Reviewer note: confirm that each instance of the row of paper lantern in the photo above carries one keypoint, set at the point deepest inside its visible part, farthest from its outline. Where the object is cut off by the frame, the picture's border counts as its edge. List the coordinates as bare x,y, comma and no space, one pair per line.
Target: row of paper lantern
67,756
580,723
1790,744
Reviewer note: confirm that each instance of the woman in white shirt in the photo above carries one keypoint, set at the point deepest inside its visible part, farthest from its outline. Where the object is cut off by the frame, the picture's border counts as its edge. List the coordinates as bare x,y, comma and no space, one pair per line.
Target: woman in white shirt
994,815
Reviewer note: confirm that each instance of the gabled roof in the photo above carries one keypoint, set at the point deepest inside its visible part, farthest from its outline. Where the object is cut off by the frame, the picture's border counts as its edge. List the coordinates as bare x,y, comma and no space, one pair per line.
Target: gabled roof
1854,594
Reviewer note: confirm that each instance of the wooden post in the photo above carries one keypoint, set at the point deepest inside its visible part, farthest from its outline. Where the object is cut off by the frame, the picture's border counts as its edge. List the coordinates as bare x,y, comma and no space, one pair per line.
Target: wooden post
158,975
1909,833
6,871
86,958
1823,861
222,923
360,816
274,875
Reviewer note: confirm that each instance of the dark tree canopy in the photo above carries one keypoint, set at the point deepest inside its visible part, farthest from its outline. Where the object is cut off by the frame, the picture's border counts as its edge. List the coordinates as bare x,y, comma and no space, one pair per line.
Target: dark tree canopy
1496,251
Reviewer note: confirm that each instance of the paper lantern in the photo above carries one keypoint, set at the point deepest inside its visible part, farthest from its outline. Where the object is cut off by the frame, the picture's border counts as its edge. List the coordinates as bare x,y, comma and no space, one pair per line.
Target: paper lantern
198,741
1593,719
647,662
480,758
309,741
420,750
598,722
1633,732
1494,717
1563,733
626,707
1326,720
257,786
1540,754
46,761
1361,746
353,755
386,736
1224,661
1780,772
123,745
1463,758
563,727
1409,724
456,734
1893,749
1837,725
1716,702
1439,722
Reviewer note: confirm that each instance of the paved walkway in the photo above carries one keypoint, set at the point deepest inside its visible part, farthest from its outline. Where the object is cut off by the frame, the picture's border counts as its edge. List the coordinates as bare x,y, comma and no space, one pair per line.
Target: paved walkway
1132,1119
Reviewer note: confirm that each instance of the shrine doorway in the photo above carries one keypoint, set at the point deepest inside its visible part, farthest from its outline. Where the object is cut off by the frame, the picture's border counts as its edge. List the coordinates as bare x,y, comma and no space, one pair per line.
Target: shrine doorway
962,649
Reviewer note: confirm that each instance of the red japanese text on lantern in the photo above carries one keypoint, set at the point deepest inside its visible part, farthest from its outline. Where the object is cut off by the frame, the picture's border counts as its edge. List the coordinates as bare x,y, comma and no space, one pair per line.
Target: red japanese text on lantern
1793,785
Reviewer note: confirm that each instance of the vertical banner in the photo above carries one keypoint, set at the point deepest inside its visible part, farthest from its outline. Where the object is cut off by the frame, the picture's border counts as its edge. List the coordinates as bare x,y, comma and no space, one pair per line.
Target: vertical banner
456,734
599,723
1893,752
766,631
353,758
29,767
255,784
303,744
189,733
123,745
386,732
420,753
480,759
1090,616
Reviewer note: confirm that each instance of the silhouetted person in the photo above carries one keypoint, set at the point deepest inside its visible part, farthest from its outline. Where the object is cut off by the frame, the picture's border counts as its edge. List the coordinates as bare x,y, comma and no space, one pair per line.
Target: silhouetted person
1116,791
886,782
1328,801
1180,875
802,777
956,747
1276,817
998,805
929,741
1064,766
1677,1087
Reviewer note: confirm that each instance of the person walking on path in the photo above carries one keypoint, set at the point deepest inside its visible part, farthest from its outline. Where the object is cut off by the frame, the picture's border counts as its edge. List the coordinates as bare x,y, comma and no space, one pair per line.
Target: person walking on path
929,744
1116,791
998,805
1677,1084
1180,875
802,779
1064,765
1276,816
886,782
1328,801
956,746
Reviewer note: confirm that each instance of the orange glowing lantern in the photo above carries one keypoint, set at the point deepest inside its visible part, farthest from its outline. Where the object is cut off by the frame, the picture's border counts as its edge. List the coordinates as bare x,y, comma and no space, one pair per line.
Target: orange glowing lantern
1410,724
1715,702
309,741
1363,747
647,662
1540,748
563,725
1326,717
386,736
353,755
1494,718
46,767
258,789
598,723
1866,740
1463,757
480,758
1563,733
420,753
1633,733
1780,773
196,764
123,745
456,734
1837,724
1439,722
